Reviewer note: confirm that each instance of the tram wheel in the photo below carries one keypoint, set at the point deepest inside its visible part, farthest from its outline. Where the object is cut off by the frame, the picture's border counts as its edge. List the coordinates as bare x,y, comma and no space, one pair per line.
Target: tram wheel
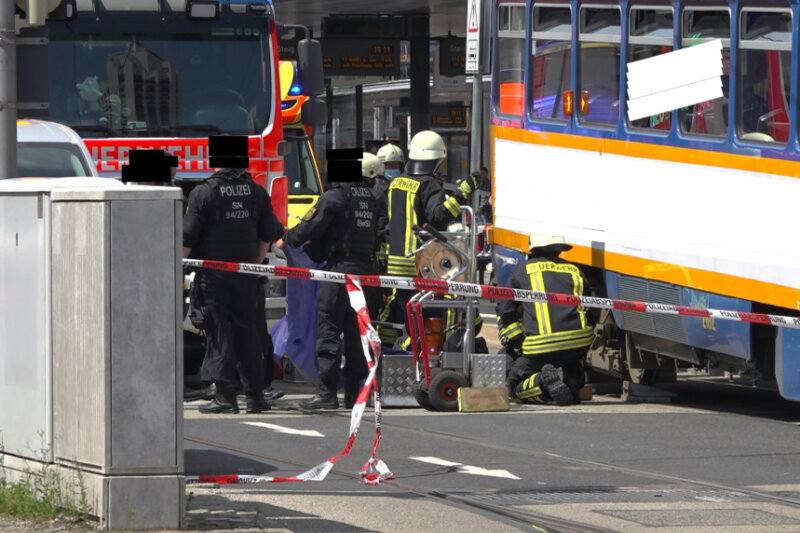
421,395
443,392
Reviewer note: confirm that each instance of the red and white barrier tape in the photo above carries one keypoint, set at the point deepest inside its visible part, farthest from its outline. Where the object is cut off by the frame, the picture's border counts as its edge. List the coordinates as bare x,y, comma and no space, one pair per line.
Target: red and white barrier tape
500,293
374,470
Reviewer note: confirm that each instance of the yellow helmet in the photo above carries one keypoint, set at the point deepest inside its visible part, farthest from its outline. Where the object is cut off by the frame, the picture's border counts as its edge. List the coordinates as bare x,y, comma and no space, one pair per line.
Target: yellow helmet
390,153
370,166
547,243
427,146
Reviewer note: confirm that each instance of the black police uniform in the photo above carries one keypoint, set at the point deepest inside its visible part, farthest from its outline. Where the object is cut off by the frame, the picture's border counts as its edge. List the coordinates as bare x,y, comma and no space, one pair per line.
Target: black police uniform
543,334
226,218
343,231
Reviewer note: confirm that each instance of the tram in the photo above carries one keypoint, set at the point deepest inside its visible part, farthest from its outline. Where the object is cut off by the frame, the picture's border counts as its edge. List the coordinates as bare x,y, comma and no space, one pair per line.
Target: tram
696,207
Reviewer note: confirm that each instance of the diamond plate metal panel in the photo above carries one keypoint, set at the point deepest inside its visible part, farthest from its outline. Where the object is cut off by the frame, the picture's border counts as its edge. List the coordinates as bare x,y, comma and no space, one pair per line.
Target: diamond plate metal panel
488,370
398,377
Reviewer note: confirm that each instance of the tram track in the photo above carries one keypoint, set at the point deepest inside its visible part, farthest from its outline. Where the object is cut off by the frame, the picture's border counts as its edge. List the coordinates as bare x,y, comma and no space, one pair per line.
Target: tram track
660,476
525,518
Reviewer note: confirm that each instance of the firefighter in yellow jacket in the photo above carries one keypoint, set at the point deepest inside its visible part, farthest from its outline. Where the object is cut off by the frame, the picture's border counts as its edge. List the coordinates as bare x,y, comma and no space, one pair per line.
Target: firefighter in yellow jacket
545,337
416,197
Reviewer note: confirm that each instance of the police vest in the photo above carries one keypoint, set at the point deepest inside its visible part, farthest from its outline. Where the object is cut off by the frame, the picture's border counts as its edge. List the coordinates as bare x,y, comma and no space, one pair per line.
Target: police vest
356,231
232,234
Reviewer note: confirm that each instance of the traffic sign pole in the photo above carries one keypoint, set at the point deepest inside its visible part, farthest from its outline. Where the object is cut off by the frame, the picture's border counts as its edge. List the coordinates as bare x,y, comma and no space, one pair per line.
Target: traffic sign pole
473,66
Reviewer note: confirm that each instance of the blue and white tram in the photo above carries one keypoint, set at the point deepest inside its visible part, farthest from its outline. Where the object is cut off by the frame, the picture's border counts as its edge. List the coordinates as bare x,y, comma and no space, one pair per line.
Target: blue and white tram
697,207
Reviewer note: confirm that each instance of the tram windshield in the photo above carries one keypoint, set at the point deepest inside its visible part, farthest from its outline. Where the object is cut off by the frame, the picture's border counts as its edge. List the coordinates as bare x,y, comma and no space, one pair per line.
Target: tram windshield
162,82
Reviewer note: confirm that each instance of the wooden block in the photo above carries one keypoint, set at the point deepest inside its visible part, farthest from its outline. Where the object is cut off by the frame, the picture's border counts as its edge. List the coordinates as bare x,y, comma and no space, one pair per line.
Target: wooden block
585,393
482,399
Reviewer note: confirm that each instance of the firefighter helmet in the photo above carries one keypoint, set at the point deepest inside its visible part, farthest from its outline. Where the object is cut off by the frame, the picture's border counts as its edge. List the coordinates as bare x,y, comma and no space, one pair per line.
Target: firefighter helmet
390,153
547,243
427,146
370,166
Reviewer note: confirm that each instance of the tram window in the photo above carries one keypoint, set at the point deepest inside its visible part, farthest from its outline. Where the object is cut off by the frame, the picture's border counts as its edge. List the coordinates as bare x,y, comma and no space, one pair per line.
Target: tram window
764,75
699,25
599,63
650,35
551,65
510,59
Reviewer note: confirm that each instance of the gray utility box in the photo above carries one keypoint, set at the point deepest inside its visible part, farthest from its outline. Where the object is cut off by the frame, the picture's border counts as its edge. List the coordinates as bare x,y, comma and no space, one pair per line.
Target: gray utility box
91,366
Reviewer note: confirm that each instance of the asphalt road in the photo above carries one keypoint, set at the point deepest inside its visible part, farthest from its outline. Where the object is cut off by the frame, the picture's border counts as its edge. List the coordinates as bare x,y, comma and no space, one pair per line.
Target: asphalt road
718,458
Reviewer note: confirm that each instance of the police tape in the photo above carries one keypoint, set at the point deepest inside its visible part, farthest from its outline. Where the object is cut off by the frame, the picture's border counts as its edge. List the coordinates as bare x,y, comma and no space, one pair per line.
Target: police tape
374,470
499,293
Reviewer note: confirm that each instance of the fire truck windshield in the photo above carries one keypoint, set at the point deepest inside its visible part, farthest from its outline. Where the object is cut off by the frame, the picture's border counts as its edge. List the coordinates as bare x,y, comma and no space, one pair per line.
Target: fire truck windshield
194,80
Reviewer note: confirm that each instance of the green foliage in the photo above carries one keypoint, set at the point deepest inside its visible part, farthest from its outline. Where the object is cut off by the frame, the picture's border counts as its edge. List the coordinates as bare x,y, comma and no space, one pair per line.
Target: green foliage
43,495
17,499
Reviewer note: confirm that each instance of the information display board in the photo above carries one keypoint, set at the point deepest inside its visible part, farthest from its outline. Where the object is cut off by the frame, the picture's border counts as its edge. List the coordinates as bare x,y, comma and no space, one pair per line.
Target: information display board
361,57
448,116
452,56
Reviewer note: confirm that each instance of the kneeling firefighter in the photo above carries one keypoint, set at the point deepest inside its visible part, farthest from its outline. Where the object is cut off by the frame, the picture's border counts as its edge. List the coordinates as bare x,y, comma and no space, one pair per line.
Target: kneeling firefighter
544,337
341,230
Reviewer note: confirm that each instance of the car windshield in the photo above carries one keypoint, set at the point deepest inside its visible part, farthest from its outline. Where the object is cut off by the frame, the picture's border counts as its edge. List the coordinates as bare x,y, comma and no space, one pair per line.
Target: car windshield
50,160
176,79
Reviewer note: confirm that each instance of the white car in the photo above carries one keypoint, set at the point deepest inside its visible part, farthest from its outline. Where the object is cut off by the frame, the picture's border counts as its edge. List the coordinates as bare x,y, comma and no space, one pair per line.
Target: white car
50,150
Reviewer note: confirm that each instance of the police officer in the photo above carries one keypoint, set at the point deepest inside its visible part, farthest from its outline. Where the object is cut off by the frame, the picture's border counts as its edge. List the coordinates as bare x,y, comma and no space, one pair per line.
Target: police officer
230,218
542,336
343,230
416,197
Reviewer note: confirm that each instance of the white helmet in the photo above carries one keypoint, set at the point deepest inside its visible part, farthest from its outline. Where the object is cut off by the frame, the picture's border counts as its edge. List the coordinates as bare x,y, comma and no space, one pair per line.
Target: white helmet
370,166
389,153
427,146
547,243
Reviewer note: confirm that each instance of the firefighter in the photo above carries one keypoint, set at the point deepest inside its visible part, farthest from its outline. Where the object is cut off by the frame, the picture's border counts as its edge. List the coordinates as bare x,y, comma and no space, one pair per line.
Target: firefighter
372,171
542,336
393,160
416,197
229,218
341,230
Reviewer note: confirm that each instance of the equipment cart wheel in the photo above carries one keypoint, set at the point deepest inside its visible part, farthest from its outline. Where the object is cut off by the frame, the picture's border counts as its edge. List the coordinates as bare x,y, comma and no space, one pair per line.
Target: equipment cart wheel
443,393
421,395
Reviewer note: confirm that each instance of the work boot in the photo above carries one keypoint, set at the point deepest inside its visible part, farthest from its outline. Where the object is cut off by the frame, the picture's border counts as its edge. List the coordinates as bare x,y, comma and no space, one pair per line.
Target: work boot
272,394
575,389
551,383
205,393
223,402
257,404
321,401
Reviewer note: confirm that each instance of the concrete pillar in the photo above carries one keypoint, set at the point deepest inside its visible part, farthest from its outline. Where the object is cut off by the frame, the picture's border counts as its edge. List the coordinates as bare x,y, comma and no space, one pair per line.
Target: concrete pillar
94,350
